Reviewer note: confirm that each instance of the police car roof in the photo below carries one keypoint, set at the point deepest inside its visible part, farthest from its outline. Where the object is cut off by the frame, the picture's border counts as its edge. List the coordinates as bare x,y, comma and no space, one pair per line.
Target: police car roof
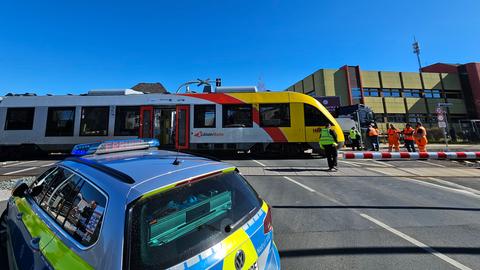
149,169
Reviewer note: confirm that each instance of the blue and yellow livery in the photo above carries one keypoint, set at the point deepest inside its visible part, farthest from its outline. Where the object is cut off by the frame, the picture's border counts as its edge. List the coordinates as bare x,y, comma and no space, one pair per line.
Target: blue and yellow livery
139,209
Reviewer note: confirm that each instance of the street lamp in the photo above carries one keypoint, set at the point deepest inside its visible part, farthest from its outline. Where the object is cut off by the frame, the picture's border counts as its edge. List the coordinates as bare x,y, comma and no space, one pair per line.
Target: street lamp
199,82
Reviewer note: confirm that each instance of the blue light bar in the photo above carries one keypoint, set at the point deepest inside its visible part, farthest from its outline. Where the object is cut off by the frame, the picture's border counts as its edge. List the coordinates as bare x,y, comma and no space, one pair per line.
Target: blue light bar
112,146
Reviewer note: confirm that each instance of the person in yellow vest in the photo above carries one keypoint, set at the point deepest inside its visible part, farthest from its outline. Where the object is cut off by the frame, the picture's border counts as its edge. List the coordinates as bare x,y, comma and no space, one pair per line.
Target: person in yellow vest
328,142
421,137
393,139
354,138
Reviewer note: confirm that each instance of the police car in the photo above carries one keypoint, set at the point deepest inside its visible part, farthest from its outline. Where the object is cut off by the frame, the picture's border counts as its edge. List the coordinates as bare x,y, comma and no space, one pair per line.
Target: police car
125,205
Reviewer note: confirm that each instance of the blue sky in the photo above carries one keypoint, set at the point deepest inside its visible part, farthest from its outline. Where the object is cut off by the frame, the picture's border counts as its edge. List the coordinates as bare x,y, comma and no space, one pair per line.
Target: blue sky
72,46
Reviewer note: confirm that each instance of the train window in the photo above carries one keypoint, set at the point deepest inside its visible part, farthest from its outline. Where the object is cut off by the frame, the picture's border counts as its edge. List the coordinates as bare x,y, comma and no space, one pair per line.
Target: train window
237,115
94,121
313,116
204,116
19,118
127,121
60,121
275,115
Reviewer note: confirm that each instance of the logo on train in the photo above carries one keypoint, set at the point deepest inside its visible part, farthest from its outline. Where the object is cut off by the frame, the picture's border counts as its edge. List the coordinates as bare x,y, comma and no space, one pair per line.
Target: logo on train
317,130
205,134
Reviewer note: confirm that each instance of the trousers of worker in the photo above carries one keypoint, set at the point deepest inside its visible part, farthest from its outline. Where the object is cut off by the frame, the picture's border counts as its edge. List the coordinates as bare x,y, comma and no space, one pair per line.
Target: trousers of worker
393,143
422,143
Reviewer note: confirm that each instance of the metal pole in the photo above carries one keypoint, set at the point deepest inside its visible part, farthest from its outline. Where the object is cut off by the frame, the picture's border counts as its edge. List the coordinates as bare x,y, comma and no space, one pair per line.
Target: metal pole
360,130
445,131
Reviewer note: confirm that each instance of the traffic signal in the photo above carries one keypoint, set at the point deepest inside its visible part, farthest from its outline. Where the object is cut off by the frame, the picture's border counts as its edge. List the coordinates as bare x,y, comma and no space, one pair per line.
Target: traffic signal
218,82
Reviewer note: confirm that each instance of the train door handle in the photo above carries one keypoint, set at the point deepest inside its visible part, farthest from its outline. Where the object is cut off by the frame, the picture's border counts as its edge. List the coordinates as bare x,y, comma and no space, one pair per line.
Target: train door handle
19,216
35,244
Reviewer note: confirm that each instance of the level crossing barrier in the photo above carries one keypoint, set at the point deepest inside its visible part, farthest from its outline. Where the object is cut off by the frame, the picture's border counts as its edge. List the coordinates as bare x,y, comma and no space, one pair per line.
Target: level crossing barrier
412,155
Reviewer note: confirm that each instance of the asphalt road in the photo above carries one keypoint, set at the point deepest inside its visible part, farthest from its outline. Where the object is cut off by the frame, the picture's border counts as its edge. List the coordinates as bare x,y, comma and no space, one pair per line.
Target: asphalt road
368,215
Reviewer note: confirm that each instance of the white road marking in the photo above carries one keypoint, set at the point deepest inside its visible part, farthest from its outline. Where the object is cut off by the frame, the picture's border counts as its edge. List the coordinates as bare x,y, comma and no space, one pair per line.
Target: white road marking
349,163
382,163
390,229
417,243
21,163
49,164
22,170
455,185
9,162
258,162
300,184
431,164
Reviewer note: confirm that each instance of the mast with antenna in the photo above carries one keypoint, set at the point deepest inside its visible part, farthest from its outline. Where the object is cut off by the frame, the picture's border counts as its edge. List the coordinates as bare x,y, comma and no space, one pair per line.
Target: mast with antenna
416,50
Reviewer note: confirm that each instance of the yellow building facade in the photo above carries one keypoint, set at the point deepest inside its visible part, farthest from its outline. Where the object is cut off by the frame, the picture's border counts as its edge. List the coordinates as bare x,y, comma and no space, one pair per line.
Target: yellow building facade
395,97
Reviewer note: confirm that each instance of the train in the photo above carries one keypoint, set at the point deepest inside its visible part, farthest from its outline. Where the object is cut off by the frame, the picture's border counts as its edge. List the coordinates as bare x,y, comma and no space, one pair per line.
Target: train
229,119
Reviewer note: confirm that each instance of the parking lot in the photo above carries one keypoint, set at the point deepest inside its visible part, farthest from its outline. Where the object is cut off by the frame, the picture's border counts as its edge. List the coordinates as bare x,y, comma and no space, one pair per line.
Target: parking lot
368,215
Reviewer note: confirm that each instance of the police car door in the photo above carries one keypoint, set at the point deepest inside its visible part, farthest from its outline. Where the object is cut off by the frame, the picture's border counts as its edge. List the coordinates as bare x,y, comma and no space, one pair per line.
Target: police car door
28,232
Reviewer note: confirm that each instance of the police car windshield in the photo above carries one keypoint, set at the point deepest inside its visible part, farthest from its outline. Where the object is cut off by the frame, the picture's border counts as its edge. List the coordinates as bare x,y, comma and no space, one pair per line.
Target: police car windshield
178,224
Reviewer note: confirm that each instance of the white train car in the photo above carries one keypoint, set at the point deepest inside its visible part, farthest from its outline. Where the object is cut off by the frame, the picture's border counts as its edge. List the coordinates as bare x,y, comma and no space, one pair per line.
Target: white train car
204,121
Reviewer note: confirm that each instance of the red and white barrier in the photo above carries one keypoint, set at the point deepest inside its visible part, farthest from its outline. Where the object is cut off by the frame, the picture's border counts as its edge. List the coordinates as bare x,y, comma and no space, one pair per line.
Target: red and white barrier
411,155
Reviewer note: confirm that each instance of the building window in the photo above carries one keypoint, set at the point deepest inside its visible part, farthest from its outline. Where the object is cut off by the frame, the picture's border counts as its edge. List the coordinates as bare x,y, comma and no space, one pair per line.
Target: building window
356,93
371,92
314,117
379,118
414,118
395,118
411,93
274,115
391,92
432,93
60,121
204,116
94,121
453,94
237,116
19,118
127,121
311,93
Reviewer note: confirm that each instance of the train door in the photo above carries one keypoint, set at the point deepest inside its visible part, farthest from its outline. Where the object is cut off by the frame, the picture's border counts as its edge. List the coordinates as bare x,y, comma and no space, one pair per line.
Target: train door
163,126
146,122
182,136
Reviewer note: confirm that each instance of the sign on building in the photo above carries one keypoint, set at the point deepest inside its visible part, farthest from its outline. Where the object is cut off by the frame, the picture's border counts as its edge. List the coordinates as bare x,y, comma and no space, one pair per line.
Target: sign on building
330,103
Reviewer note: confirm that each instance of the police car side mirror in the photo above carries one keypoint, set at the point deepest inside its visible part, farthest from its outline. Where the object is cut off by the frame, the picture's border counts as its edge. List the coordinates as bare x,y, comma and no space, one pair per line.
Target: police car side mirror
20,189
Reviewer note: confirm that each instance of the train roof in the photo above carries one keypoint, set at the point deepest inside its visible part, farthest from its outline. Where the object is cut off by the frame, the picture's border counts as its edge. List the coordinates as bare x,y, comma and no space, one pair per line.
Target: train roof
150,169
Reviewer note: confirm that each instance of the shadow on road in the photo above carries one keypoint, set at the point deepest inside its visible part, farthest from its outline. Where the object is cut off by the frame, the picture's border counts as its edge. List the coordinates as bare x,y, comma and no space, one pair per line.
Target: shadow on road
374,250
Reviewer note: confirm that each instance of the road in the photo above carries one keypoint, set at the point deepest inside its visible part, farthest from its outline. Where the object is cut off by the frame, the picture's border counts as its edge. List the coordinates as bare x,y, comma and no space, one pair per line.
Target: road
368,215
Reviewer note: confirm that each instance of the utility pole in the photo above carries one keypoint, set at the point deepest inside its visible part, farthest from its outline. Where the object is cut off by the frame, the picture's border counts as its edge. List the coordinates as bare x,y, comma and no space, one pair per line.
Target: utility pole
416,50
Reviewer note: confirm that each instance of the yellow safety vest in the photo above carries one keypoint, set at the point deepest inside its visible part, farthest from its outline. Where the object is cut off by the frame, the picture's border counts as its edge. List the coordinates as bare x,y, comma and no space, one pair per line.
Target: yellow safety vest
326,138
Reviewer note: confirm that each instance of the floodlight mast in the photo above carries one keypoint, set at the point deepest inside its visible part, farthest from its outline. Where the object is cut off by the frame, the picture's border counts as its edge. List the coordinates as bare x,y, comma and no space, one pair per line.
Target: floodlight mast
416,50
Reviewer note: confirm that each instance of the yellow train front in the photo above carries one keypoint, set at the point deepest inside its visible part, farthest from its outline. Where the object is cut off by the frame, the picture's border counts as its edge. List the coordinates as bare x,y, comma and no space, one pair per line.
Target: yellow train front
284,122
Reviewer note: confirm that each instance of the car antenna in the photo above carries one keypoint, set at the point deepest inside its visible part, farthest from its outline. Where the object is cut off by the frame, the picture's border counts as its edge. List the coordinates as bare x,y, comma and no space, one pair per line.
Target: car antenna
176,161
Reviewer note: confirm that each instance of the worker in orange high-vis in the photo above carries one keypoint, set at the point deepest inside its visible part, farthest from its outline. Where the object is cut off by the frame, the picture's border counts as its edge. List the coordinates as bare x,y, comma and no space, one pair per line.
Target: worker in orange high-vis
372,135
421,137
393,139
408,132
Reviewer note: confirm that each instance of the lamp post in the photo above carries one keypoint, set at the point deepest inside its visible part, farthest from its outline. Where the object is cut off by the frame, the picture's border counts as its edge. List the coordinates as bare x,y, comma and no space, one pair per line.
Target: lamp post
188,83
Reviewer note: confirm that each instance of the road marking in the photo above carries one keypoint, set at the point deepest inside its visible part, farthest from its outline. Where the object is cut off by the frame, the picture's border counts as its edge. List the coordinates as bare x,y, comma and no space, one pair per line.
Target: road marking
9,162
430,163
22,170
382,163
21,163
390,229
417,243
258,162
300,184
349,163
49,164
452,184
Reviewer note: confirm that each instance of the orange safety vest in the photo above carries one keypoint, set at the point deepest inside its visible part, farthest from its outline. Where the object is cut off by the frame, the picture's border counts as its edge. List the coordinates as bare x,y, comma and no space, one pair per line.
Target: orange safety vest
408,134
392,134
373,132
423,132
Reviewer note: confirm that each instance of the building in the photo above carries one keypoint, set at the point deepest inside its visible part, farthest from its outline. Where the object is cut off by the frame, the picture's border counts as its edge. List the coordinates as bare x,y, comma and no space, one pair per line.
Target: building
400,97
156,88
